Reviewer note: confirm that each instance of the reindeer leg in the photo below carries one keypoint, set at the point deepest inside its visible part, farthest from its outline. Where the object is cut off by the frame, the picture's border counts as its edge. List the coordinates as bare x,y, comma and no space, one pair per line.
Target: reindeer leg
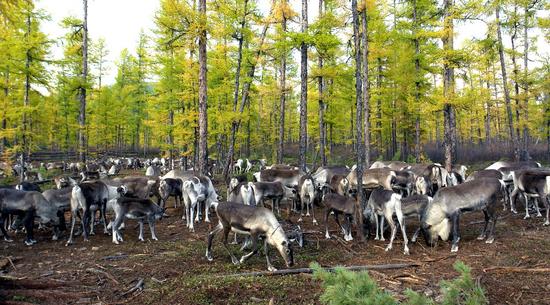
206,211
225,234
73,222
377,226
28,222
492,220
336,218
536,202
483,233
269,265
382,228
86,223
254,238
388,214
103,217
415,235
544,198
151,222
211,235
313,214
401,220
456,232
348,236
327,213
190,223
3,229
513,197
526,206
140,237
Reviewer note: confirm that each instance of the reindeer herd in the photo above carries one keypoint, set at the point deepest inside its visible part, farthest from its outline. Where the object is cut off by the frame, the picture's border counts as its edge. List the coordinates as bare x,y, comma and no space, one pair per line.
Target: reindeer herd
396,192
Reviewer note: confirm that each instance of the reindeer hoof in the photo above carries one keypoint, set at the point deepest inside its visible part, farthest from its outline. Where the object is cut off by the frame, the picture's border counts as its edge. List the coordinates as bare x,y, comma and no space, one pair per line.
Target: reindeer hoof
413,240
388,248
377,238
406,252
209,257
526,217
307,215
92,233
141,239
68,243
539,215
454,248
490,240
481,237
315,222
235,261
271,268
154,238
327,236
55,237
546,223
8,240
300,219
28,243
514,211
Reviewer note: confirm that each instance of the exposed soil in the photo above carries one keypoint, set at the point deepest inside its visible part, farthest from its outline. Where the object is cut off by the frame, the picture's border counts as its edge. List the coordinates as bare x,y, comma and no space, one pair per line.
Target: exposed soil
174,269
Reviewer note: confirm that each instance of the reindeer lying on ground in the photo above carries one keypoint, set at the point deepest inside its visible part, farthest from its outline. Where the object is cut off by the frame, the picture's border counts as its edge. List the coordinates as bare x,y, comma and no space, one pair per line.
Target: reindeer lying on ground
253,221
442,215
384,204
135,208
339,204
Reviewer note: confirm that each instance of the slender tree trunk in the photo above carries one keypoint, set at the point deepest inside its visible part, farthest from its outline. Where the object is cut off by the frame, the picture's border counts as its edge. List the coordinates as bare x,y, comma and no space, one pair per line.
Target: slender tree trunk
366,85
4,142
526,82
303,91
417,79
203,98
322,127
515,72
244,98
449,87
82,89
26,97
507,102
282,100
358,120
379,106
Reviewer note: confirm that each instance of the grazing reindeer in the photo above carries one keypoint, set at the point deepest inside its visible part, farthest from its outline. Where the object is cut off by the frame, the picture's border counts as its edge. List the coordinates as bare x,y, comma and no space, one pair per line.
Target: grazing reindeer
193,192
414,206
135,208
253,221
339,204
275,191
383,204
532,184
442,215
28,205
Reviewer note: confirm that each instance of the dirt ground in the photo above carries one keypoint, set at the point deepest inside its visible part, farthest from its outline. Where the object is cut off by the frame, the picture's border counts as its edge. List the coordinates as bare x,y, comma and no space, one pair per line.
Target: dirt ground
174,269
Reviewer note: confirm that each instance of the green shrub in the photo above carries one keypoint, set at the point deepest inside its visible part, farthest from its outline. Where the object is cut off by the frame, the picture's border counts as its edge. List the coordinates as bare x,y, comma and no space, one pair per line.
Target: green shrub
343,287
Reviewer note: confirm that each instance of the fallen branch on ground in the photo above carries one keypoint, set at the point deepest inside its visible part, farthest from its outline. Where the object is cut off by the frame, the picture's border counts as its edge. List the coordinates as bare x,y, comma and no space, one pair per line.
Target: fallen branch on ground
112,278
516,269
138,286
331,269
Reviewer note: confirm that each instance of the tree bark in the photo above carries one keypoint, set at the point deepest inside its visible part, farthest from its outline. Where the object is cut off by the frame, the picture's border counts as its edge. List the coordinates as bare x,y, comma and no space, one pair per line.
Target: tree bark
26,97
507,102
321,84
358,120
526,81
203,98
366,85
303,91
282,99
449,87
417,77
4,142
379,106
82,89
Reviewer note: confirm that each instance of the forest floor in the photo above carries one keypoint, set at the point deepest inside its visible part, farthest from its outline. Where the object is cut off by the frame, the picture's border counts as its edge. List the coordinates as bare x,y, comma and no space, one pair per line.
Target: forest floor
174,269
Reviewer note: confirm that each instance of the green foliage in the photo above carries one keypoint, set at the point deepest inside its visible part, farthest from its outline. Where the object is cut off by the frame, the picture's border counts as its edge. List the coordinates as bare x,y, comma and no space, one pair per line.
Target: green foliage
347,287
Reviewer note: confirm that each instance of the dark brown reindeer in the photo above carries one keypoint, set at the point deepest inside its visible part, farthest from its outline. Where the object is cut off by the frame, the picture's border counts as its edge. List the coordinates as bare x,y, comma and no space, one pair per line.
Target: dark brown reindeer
253,221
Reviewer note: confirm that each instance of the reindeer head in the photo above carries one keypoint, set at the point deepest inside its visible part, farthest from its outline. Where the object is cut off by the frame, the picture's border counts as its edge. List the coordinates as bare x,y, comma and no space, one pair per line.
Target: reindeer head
247,194
195,189
279,240
435,224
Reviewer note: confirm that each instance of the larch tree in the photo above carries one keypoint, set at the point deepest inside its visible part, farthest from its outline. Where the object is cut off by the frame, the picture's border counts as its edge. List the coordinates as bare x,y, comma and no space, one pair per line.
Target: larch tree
303,89
82,145
203,98
449,84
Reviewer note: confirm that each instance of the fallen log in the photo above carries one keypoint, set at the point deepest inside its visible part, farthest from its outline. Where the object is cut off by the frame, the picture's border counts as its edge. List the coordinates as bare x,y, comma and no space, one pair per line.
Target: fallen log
516,269
330,269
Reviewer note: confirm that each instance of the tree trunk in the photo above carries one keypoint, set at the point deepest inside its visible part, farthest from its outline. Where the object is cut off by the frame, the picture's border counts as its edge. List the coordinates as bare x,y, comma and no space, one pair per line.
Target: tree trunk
507,102
82,89
417,77
449,87
515,71
203,98
322,127
366,85
358,120
379,106
282,99
4,142
26,97
303,91
526,82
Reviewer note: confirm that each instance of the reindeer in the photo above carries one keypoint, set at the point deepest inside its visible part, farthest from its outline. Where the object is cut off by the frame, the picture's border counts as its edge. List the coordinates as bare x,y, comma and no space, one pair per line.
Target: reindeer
442,215
532,183
28,205
384,204
275,191
339,204
253,221
171,187
306,189
135,208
